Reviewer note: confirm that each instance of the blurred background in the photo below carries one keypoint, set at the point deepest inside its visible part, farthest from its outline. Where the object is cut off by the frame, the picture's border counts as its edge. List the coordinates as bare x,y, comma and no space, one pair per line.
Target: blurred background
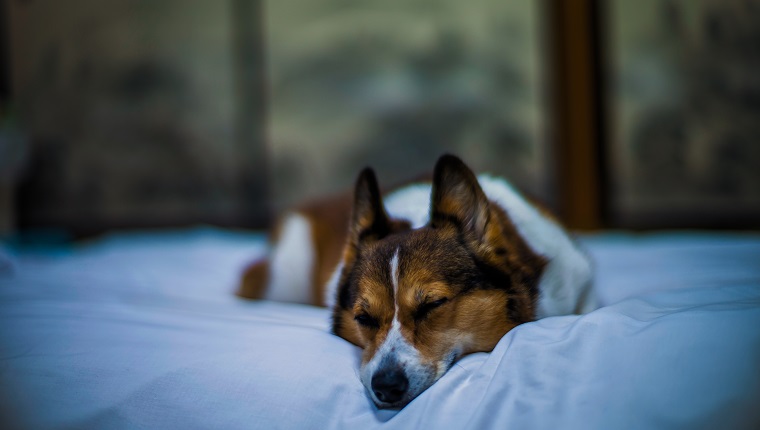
147,114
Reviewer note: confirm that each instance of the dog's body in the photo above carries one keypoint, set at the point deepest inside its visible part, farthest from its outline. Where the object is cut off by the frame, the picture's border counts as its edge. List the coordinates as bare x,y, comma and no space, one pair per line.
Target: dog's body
438,271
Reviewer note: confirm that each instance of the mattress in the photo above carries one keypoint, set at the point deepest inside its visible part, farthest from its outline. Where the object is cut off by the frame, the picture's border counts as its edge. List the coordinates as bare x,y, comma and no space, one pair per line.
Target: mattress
142,330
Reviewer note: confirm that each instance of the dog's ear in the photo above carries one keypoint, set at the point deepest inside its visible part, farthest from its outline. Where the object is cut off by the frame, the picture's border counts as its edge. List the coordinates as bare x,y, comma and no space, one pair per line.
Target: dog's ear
457,199
369,221
459,202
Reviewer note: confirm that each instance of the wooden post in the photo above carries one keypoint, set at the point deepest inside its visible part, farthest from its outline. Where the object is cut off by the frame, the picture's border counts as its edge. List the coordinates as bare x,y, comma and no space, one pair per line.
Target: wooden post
575,73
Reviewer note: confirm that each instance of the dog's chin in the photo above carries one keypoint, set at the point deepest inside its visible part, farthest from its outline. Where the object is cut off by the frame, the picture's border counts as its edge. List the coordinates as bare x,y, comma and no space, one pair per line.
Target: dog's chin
393,406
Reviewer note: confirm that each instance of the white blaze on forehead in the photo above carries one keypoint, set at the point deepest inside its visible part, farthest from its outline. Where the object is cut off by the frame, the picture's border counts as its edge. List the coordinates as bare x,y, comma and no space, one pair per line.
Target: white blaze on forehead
394,277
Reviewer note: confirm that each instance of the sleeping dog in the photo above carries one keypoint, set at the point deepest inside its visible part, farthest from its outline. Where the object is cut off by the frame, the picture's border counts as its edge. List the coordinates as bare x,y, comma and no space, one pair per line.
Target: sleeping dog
425,274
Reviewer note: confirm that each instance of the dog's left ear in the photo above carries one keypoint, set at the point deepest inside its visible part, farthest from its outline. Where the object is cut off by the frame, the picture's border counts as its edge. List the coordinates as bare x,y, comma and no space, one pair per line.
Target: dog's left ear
369,221
457,198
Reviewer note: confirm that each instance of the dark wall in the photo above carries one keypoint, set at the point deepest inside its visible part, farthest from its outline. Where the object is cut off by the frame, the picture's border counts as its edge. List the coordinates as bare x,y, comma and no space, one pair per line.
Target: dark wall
132,110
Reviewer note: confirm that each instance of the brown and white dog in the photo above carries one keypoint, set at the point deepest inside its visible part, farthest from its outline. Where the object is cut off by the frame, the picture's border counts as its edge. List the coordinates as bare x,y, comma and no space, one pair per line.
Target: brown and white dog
436,271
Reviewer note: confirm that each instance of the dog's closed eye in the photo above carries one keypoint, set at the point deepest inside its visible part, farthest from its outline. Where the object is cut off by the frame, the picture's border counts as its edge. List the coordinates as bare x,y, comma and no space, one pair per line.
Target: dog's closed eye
424,309
367,321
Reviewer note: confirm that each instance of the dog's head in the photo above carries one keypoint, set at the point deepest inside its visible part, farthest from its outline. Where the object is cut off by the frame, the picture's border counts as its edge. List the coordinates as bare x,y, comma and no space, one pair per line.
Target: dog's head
417,300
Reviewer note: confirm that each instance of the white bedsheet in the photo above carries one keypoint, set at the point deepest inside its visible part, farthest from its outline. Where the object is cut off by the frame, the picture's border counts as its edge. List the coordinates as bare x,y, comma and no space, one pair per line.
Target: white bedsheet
141,331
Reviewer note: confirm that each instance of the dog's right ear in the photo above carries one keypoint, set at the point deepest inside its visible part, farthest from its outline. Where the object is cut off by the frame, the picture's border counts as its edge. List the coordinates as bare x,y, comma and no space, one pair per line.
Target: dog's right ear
458,200
369,221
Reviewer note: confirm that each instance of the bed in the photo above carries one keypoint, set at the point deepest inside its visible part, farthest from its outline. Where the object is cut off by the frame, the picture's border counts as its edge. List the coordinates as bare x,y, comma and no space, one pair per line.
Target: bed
142,330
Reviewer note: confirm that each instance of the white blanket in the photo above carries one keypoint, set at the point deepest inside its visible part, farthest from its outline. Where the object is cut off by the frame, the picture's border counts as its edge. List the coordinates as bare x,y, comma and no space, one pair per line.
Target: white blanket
142,331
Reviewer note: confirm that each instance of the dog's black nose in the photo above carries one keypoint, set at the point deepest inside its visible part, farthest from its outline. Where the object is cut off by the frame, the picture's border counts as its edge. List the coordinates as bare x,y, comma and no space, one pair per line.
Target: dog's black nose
389,385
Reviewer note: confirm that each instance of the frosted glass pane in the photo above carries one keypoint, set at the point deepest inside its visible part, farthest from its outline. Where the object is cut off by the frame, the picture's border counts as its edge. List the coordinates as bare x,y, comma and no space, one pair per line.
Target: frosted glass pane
686,106
394,84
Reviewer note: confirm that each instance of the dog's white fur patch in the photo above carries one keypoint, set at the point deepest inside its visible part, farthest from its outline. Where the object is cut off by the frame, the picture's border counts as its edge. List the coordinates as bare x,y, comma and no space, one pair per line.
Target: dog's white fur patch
394,277
411,203
291,263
